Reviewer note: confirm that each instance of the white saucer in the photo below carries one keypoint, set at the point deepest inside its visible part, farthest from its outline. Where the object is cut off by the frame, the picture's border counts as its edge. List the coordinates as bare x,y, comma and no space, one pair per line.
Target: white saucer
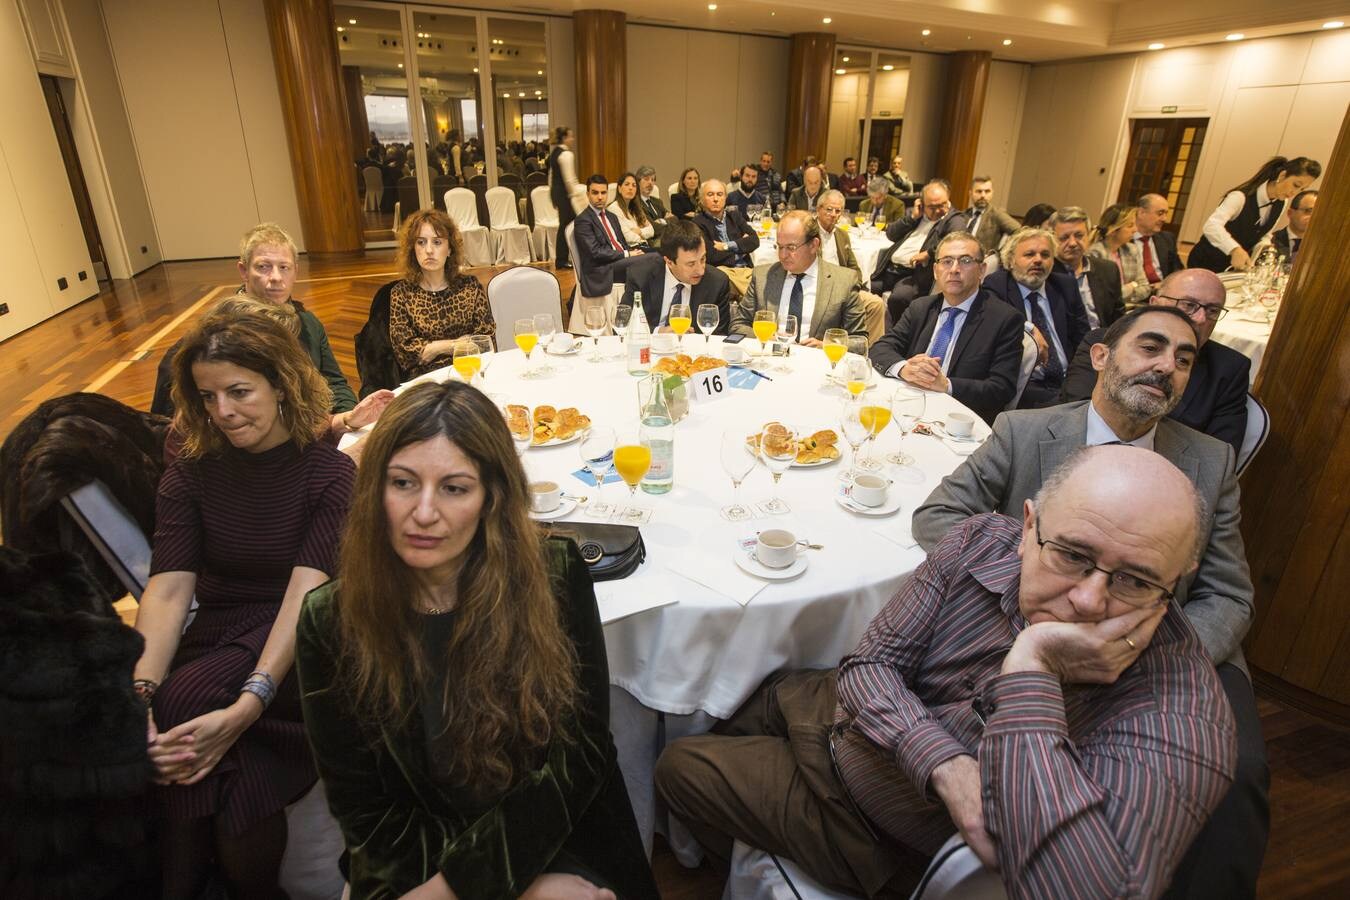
576,348
564,507
890,507
751,566
941,431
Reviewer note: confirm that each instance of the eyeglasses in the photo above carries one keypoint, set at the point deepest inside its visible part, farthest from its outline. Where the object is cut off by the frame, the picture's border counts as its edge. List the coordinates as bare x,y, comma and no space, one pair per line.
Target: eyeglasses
1190,307
951,262
790,248
1123,586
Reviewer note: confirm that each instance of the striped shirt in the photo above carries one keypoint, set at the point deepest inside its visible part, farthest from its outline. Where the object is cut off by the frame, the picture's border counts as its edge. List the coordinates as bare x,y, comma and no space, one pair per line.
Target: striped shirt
1089,790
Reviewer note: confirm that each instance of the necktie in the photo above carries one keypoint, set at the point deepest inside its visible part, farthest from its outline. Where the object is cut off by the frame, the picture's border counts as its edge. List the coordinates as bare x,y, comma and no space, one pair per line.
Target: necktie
1293,248
795,301
876,211
975,223
1053,369
945,331
674,301
1150,270
614,242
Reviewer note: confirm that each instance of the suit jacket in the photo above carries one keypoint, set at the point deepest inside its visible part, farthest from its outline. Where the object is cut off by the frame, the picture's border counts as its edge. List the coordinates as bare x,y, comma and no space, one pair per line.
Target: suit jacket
1103,277
739,231
843,246
993,226
597,255
837,302
648,275
1027,445
892,209
1215,399
985,361
898,230
1068,317
798,199
655,209
1165,242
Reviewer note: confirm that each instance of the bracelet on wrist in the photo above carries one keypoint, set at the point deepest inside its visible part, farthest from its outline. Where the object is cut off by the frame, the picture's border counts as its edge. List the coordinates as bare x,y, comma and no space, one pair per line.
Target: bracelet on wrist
145,689
260,685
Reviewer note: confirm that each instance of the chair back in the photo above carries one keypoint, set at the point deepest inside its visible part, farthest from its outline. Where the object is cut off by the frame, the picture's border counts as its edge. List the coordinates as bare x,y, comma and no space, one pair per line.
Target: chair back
501,203
439,185
577,266
462,206
375,361
479,185
1029,354
613,192
545,213
514,182
374,180
534,179
520,292
673,189
956,873
1258,429
407,197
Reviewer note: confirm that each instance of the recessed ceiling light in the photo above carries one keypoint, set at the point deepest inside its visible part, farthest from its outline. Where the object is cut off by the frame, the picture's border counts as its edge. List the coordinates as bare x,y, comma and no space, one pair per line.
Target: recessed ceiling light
506,95
888,67
538,93
540,72
400,65
827,20
844,58
1336,24
926,32
839,71
351,21
475,70
521,94
1007,42
1235,36
340,28
712,6
1156,45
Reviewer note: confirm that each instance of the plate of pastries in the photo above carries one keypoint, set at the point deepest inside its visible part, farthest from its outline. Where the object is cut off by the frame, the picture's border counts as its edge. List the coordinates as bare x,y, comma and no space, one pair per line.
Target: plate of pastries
818,449
683,364
551,426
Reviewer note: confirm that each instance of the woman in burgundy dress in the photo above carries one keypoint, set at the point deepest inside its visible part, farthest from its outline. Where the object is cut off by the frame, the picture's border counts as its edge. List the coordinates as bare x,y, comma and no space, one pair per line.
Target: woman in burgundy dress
248,519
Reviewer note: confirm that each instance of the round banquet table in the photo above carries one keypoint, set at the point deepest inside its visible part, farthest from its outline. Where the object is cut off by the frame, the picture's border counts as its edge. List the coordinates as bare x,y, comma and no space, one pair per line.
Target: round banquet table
1245,330
676,669
867,244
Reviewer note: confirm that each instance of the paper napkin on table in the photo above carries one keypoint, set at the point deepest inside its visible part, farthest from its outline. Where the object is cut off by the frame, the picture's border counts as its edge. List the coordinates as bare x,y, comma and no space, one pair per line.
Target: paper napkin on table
897,531
718,572
615,604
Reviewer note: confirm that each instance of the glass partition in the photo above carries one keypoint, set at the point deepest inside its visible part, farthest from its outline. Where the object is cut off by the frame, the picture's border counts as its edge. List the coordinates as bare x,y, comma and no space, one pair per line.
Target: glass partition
517,49
448,100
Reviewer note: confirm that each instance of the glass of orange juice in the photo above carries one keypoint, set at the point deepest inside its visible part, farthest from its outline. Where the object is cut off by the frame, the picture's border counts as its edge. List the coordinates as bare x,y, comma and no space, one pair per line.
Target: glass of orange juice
526,339
468,359
874,417
765,327
834,346
680,318
632,459
857,374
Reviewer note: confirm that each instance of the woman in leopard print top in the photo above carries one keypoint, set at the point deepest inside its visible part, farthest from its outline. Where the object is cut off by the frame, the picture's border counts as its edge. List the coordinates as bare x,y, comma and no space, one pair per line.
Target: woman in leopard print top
434,304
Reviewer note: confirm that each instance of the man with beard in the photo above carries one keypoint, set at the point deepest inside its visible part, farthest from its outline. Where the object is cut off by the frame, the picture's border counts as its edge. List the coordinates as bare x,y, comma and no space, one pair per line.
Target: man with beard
986,221
748,191
769,179
1215,400
1145,360
1049,300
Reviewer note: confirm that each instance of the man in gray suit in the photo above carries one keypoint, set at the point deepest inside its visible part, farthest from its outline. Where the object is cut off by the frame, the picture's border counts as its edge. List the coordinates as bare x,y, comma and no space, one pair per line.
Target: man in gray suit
821,295
987,222
1144,365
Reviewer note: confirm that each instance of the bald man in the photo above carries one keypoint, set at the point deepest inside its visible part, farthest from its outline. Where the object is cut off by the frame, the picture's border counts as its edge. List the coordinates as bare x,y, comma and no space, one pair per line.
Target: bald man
1027,688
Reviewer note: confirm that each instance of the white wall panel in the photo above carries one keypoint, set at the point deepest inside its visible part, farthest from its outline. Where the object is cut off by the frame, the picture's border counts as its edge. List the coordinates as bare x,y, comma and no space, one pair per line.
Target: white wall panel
1000,126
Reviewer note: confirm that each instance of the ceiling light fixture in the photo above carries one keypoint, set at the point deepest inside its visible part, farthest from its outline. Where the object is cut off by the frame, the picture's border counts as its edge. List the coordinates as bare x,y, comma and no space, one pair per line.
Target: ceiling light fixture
340,28
475,70
1007,42
400,65
1336,24
926,32
839,71
507,95
1235,36
888,67
712,7
540,72
844,58
827,20
351,21
1156,45
521,94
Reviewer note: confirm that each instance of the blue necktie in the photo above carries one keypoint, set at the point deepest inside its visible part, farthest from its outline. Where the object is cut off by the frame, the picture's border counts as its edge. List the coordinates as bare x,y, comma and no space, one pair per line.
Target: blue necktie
945,331
1053,369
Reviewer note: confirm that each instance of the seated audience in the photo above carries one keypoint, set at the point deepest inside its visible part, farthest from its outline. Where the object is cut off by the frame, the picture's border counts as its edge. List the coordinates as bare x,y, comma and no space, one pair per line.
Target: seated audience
987,222
1157,248
732,241
247,520
1098,278
267,270
853,183
1050,305
873,168
637,228
1249,212
880,207
797,177
747,192
898,179
684,203
1286,240
1215,399
1114,241
904,270
455,683
1144,361
1006,693
770,180
603,256
1038,215
835,246
434,303
679,274
820,294
974,353
651,203
808,195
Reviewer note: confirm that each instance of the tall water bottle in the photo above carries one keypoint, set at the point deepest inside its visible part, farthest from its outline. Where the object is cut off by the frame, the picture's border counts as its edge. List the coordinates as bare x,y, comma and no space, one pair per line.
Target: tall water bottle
639,340
657,433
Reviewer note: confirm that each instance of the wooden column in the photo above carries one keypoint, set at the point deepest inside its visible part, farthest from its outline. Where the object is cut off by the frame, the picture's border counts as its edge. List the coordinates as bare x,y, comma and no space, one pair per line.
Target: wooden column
1296,494
967,80
602,92
354,100
810,74
304,51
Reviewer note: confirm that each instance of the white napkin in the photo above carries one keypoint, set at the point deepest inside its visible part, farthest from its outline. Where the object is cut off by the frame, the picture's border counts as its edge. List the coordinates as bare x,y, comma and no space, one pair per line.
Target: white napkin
654,593
897,531
718,572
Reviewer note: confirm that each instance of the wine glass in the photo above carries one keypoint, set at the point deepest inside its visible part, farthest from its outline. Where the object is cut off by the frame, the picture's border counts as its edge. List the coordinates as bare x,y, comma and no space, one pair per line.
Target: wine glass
486,351
618,321
632,459
545,327
526,339
835,345
855,432
907,409
738,459
468,359
857,374
765,326
787,334
596,321
597,456
680,319
777,451
875,415
707,322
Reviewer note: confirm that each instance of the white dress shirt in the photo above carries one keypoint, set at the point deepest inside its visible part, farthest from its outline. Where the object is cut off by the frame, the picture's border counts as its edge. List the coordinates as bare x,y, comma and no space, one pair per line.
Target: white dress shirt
828,248
911,245
1085,291
810,278
1098,432
1053,337
1228,209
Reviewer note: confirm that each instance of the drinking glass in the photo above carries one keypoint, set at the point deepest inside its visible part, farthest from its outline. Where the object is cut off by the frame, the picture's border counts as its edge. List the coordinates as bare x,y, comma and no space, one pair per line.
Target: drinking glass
618,321
857,374
545,327
632,459
707,322
907,409
486,351
526,339
597,456
680,319
875,415
596,321
765,326
738,459
835,346
777,451
468,359
855,432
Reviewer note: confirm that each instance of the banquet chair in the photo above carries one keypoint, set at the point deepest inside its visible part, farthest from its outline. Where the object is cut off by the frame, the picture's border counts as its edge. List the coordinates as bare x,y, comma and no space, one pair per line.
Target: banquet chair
577,322
521,292
408,199
376,364
613,192
535,179
1029,354
1258,429
439,185
510,239
670,191
374,179
462,206
545,222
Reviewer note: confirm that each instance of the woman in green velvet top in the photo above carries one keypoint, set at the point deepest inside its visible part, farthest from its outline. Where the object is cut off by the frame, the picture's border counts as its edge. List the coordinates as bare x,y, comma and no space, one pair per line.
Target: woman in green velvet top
454,680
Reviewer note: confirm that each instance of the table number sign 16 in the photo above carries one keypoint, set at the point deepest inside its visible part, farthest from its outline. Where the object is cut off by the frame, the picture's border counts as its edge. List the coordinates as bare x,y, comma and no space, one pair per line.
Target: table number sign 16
710,385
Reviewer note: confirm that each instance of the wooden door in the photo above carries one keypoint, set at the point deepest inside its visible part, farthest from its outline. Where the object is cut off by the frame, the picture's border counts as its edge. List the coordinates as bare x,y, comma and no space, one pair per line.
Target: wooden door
65,138
1163,157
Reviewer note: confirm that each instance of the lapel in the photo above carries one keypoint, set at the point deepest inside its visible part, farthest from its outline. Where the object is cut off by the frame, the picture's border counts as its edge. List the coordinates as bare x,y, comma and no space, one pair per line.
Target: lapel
1171,443
773,286
825,299
968,329
1065,433
925,335
651,303
1059,314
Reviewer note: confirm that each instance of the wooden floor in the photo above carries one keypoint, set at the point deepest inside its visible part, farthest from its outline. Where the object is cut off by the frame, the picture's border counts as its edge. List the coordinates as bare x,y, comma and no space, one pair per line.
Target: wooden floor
112,343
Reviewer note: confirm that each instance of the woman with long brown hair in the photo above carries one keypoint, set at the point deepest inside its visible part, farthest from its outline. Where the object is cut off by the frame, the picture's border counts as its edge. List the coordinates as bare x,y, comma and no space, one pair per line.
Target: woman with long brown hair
637,228
684,202
1250,212
248,519
454,678
434,303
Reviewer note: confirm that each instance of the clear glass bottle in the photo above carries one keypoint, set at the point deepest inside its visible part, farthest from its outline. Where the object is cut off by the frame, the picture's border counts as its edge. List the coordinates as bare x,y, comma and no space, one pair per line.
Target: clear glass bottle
638,340
657,433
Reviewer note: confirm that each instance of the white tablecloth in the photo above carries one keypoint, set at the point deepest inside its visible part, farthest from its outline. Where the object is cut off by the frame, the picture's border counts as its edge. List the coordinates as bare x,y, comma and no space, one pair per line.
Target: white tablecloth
867,244
1238,330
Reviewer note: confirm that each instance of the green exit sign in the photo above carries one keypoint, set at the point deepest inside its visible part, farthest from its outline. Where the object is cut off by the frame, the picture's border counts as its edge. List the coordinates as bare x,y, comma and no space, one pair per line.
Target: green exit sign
1169,109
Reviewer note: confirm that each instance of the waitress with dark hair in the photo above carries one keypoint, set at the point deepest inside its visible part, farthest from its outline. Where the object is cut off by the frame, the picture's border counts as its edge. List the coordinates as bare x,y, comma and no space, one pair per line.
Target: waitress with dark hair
562,187
1249,212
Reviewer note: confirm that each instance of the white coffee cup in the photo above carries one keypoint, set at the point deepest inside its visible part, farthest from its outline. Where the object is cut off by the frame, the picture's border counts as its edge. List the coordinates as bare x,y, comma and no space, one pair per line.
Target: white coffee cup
561,343
545,496
663,342
733,353
869,490
960,425
776,548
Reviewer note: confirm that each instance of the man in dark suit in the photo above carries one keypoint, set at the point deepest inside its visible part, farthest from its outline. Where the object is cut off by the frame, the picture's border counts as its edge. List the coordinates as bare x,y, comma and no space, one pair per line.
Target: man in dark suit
651,203
1098,278
1215,401
603,256
905,270
1157,248
974,352
1050,305
679,274
770,180
731,241
808,195
987,222
1143,363
1286,240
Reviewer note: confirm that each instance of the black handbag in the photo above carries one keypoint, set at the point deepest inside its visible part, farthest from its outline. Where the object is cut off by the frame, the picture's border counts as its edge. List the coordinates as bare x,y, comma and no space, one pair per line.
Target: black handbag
610,551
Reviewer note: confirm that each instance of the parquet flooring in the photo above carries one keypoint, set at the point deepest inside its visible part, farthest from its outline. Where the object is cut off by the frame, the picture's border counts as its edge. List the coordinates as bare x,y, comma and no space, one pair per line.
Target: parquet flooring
117,338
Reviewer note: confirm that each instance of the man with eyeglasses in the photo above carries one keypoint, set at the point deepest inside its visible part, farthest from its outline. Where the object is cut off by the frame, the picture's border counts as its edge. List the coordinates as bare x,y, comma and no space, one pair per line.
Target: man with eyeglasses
963,341
1144,361
1033,687
1215,401
905,270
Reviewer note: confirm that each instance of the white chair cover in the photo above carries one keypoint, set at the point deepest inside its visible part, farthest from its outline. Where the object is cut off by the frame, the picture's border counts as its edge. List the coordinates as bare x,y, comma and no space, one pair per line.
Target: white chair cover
656,190
613,192
1258,428
521,292
510,239
545,222
577,320
462,206
1029,354
670,191
314,843
374,179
